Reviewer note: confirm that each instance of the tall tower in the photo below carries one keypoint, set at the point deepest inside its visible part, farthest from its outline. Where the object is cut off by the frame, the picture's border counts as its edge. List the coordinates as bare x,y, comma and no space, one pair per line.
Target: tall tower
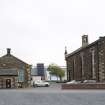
40,70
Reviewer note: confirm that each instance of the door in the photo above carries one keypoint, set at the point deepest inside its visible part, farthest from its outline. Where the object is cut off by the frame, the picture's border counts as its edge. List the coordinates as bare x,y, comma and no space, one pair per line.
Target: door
8,83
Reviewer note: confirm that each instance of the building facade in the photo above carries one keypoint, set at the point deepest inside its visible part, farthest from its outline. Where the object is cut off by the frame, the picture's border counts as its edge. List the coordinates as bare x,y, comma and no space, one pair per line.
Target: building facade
14,72
87,62
39,71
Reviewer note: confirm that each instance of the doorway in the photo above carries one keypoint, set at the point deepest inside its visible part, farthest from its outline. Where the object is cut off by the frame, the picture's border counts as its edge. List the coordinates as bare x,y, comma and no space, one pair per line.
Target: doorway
8,83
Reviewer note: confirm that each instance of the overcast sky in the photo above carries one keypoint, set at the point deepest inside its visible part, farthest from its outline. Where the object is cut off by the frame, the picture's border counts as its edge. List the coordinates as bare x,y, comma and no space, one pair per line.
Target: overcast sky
37,31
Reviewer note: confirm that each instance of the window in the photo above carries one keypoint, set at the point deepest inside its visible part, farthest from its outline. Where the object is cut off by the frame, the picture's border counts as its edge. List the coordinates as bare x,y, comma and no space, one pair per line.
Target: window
21,75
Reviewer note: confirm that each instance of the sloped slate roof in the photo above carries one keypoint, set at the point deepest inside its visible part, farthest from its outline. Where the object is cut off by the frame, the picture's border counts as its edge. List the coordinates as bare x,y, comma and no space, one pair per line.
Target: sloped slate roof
82,48
8,72
12,60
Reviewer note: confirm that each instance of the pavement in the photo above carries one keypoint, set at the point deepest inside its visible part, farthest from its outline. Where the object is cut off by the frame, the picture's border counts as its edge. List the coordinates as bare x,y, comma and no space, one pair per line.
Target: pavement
52,95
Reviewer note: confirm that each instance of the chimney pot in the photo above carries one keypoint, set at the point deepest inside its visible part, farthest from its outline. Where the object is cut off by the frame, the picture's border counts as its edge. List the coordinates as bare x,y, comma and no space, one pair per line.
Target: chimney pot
8,51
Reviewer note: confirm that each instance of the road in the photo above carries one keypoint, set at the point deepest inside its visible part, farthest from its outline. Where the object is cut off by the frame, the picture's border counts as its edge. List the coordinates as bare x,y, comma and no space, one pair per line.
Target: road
51,96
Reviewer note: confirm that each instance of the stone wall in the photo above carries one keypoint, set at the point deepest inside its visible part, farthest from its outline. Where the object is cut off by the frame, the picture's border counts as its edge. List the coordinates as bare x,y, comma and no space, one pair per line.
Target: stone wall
84,86
87,62
13,83
101,49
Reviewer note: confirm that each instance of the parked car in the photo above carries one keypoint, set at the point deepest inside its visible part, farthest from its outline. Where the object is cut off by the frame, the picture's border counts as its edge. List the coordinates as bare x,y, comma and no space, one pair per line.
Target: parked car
89,81
41,83
73,82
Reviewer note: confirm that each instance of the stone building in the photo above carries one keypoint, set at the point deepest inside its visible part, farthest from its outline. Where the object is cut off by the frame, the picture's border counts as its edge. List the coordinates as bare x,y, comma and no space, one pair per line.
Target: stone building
14,72
87,62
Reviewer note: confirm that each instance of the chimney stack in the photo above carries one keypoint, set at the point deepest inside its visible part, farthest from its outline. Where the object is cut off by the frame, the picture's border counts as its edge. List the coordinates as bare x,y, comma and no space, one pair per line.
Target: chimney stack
8,51
84,40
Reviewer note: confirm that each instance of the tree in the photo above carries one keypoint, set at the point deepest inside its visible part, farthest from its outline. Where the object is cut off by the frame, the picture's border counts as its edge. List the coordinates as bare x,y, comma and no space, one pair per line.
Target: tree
56,70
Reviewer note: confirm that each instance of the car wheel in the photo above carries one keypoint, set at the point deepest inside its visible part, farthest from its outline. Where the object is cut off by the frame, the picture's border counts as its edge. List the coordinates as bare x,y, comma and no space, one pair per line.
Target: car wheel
46,85
35,85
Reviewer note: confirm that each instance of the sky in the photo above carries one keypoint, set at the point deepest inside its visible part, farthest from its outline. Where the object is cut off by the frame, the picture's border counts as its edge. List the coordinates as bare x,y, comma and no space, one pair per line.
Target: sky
37,31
